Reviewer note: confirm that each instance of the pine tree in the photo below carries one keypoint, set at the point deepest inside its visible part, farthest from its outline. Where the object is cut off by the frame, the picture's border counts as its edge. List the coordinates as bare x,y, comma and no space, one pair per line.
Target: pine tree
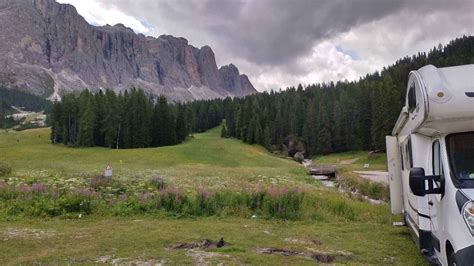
324,134
139,114
85,135
267,141
99,107
181,127
310,132
224,131
56,122
164,126
112,122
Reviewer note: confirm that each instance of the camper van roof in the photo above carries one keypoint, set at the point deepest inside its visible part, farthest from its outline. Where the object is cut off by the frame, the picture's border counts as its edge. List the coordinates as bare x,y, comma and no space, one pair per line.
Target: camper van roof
449,96
444,101
452,81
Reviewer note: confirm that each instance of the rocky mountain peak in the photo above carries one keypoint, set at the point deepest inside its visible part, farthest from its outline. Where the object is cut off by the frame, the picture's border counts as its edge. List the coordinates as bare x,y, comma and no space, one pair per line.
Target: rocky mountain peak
47,48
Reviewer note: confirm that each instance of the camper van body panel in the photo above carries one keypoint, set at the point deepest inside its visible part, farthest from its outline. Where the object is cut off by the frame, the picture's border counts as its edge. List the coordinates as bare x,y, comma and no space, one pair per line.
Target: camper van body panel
394,175
420,144
447,90
447,223
439,102
416,106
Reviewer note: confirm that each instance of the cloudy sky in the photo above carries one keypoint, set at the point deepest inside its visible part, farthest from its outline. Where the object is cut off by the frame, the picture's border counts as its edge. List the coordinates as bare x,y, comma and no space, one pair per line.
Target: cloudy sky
280,43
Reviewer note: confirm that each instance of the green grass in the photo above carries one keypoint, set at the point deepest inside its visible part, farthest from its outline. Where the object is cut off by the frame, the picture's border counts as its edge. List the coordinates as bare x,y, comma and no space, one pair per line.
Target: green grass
376,162
347,162
342,224
144,238
206,160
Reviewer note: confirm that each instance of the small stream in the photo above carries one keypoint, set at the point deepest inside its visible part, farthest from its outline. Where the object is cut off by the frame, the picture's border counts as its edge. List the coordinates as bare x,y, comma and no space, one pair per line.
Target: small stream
331,183
325,180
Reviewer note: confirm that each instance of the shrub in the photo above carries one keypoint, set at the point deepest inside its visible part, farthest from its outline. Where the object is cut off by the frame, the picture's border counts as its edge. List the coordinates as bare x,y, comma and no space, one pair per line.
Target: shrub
299,157
367,188
158,182
100,181
75,203
283,203
5,169
173,200
7,192
340,207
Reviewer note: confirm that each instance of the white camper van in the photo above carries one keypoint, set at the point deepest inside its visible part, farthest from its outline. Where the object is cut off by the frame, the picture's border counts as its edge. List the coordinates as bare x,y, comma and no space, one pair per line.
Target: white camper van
430,157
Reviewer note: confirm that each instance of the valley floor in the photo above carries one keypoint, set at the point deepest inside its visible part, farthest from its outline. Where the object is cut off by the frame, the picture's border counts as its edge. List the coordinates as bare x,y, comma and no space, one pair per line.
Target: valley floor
332,226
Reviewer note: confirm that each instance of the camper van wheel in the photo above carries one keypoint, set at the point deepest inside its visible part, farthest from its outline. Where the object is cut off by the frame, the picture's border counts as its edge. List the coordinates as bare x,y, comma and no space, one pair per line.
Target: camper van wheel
451,256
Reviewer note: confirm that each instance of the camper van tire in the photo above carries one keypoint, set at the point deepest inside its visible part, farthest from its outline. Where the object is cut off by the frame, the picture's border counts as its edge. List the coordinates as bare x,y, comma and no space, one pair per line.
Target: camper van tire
430,161
451,256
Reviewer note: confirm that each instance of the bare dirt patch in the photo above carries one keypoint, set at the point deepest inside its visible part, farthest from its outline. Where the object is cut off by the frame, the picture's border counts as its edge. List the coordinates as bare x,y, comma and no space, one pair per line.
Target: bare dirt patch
318,256
203,244
27,233
112,259
349,161
202,257
196,250
316,242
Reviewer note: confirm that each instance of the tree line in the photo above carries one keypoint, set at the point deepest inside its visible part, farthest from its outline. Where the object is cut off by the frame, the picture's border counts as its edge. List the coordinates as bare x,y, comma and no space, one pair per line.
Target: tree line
128,120
335,117
28,102
314,119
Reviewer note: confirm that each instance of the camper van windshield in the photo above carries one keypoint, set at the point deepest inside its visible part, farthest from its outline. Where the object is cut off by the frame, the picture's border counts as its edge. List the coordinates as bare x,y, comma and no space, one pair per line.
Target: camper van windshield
461,155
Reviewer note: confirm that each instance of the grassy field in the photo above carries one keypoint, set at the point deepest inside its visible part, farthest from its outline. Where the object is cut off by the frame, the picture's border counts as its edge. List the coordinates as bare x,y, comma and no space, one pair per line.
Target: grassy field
354,160
206,160
348,230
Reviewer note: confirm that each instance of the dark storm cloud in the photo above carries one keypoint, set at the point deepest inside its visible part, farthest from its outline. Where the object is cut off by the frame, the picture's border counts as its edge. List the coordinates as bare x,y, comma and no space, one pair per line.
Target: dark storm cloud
268,31
282,42
275,31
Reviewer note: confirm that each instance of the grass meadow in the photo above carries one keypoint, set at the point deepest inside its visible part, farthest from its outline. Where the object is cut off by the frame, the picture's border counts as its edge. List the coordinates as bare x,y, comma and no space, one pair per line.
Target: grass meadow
55,208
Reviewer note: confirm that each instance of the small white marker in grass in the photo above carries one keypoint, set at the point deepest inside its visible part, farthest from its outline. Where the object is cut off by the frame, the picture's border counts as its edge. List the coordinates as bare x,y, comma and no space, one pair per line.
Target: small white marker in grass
108,171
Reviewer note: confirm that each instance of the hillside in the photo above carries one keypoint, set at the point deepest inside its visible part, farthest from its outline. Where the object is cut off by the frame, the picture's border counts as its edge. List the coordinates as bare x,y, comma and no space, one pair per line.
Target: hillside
47,48
329,226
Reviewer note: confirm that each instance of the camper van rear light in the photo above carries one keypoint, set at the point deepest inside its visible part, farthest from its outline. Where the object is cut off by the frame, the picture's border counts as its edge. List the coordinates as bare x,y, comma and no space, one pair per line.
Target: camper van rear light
468,214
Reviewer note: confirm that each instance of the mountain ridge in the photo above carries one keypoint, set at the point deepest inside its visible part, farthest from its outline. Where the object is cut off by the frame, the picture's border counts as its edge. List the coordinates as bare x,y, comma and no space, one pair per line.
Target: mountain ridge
47,48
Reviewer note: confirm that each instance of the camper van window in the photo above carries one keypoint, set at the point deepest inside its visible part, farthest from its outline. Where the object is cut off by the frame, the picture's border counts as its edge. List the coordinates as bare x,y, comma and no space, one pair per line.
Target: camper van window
437,164
461,155
401,158
409,155
412,98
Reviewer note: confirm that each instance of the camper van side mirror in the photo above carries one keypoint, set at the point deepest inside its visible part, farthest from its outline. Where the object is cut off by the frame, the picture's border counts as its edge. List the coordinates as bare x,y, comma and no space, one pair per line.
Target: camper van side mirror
417,182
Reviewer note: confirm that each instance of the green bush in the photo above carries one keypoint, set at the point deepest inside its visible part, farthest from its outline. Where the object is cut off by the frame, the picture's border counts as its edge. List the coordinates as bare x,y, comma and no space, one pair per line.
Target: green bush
5,169
372,190
75,204
340,207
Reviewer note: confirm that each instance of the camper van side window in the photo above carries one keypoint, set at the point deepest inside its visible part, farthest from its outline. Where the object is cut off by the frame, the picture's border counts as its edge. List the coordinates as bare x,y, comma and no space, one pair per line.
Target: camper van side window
409,155
437,165
401,158
436,162
412,98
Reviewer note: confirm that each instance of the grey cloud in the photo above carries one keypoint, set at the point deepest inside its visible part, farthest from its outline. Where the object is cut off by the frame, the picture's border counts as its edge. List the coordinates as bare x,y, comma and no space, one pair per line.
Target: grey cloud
278,34
272,31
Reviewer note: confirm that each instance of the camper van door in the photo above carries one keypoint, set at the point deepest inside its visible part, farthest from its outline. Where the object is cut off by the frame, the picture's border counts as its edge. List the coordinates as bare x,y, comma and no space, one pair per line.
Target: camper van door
434,200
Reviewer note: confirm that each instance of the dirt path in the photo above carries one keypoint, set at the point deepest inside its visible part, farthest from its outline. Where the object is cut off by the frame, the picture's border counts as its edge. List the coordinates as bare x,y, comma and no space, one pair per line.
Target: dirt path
349,161
374,176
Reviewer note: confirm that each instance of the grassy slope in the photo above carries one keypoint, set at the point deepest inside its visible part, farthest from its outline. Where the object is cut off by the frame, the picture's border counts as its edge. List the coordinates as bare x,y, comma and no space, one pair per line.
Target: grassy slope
207,160
217,162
